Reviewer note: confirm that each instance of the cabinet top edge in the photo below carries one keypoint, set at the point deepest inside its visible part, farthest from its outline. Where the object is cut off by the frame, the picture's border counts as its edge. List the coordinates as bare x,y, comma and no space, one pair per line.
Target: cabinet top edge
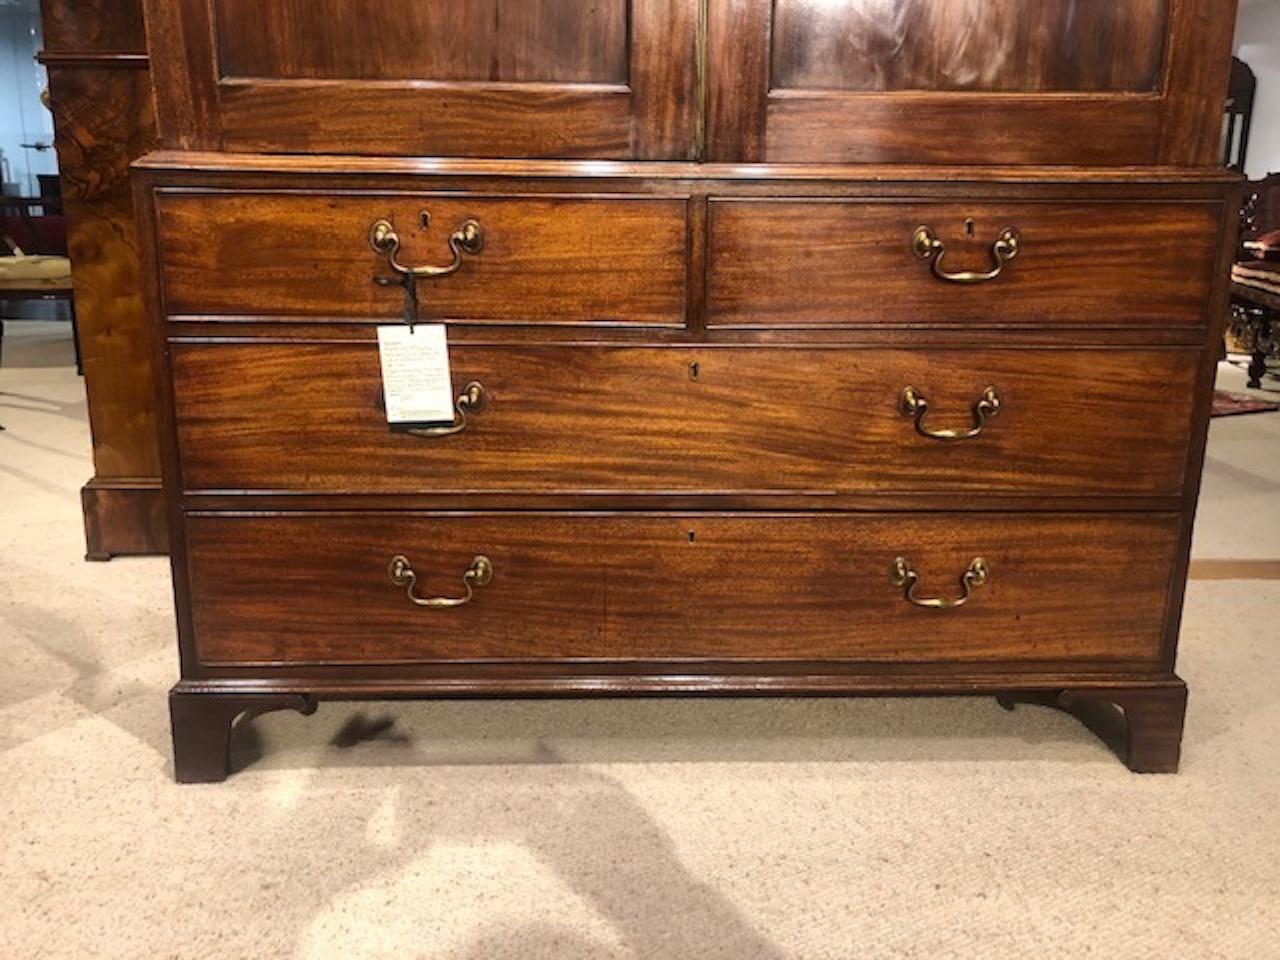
213,162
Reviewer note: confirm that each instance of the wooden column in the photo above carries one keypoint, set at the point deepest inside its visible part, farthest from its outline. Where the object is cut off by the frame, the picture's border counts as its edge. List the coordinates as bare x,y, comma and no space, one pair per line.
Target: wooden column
104,117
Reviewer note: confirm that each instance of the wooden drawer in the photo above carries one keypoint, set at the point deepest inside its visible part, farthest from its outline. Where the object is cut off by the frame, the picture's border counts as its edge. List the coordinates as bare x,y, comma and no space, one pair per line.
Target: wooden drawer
297,416
558,259
831,263
303,588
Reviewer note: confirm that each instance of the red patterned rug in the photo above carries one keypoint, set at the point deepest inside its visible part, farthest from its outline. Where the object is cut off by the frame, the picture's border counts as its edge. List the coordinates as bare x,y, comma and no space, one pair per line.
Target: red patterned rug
1236,404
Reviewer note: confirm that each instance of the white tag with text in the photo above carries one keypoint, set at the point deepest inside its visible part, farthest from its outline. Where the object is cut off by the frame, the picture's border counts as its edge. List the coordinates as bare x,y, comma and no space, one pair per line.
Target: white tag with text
416,381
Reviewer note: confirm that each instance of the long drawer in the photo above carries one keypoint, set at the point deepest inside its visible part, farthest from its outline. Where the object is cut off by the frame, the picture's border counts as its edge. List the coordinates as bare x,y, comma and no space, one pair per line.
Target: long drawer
354,588
306,417
834,262
548,259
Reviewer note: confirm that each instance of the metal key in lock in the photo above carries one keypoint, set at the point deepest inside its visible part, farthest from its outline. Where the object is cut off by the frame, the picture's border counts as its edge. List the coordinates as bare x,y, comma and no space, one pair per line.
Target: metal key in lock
409,283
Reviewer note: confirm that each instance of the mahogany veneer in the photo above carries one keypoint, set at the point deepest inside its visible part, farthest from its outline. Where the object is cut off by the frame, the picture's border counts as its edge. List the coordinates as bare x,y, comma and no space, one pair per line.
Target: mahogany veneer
305,417
1079,263
555,259
751,416
678,587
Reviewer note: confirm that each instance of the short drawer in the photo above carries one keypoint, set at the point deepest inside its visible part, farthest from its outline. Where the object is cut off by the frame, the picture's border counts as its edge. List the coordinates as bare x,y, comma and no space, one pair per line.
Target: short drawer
835,262
562,259
298,588
306,417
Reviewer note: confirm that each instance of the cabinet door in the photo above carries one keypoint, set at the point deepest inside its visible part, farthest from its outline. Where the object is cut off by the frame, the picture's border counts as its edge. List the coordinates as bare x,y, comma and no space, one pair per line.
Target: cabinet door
1091,82
477,78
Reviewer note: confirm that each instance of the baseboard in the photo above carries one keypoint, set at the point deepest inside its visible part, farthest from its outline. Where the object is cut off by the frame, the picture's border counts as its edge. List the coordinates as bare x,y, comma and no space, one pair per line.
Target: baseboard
124,518
1235,570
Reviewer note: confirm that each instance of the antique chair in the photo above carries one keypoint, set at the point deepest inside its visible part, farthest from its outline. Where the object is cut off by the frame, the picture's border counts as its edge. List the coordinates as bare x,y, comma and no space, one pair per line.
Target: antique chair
33,259
1255,278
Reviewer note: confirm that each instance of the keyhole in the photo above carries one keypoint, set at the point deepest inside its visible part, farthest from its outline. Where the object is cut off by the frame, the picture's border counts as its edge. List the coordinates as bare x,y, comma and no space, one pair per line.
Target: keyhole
695,370
693,536
424,218
968,226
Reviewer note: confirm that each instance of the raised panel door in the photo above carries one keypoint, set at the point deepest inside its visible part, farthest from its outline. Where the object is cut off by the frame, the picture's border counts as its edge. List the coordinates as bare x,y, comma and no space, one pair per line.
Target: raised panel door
1093,82
500,78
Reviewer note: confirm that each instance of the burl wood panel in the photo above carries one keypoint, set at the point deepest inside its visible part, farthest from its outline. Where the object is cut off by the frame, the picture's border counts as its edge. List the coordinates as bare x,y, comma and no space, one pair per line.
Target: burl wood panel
1024,46
104,118
544,259
1088,263
560,419
93,26
582,41
307,588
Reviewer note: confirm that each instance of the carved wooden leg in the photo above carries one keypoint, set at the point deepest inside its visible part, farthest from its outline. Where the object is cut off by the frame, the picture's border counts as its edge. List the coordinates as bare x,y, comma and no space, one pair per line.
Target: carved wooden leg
1261,347
1142,725
202,724
1257,369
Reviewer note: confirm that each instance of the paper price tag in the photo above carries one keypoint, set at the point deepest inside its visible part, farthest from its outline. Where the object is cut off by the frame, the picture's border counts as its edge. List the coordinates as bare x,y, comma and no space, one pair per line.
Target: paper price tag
416,380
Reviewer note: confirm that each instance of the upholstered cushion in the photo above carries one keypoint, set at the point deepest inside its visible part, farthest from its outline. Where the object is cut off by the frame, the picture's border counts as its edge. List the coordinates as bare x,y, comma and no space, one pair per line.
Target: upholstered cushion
35,273
1257,273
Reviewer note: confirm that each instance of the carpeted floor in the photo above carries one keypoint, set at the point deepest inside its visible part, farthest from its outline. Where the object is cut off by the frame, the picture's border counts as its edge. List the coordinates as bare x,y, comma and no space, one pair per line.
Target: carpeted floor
675,829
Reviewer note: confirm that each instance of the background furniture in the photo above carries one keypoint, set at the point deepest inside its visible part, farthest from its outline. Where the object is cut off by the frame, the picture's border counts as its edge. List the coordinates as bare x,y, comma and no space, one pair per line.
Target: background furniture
1240,97
33,258
1255,278
95,52
793,347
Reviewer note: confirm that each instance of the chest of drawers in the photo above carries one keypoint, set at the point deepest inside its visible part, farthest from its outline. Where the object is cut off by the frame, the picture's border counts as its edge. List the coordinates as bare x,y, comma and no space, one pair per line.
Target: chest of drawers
821,375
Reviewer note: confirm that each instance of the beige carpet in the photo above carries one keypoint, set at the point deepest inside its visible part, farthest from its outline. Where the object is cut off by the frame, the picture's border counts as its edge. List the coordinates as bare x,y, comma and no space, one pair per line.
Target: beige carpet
678,829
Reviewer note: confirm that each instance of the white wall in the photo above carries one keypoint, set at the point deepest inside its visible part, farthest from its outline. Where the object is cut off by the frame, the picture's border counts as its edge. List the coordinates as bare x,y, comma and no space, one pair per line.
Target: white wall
1258,44
23,119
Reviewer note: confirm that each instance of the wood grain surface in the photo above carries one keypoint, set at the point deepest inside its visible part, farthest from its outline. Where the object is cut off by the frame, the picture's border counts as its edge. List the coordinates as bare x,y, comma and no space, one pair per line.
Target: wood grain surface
305,588
479,78
93,26
306,417
568,41
545,259
1069,82
1030,46
1079,263
104,118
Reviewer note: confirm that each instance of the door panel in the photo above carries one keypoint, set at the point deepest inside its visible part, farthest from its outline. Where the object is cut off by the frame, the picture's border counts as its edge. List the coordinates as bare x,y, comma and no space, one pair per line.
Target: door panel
552,41
1090,82
483,78
1058,46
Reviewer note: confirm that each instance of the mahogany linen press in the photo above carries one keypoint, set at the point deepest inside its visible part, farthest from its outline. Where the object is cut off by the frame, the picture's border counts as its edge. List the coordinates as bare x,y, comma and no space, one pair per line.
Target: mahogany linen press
793,348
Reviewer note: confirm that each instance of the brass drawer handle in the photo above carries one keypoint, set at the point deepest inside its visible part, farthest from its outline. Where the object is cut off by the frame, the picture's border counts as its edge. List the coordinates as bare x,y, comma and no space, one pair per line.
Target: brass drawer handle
471,400
903,575
468,238
479,574
927,246
913,405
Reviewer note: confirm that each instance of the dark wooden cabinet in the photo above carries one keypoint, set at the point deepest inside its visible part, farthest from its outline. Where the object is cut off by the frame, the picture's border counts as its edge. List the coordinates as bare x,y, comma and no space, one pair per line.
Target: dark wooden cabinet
104,118
799,348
